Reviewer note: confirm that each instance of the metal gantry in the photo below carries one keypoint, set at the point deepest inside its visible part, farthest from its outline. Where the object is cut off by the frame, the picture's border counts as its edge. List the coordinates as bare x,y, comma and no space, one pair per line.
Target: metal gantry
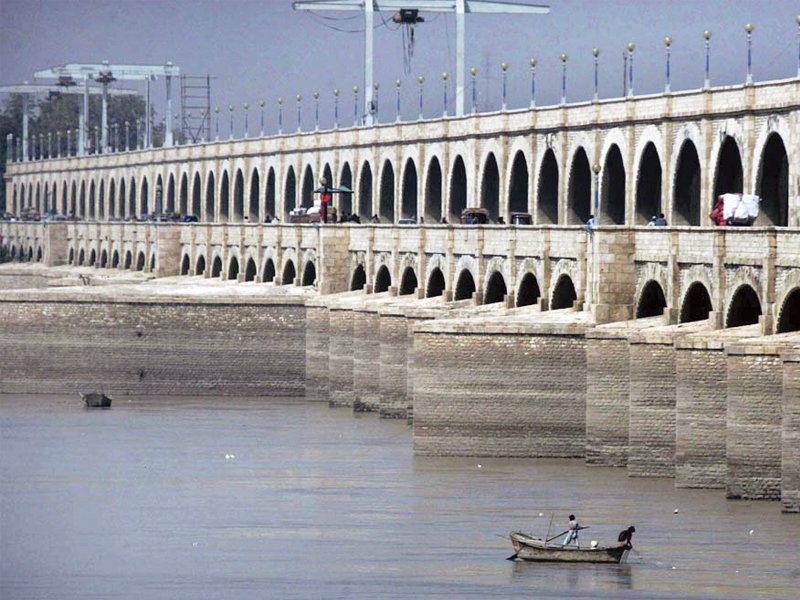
105,73
459,7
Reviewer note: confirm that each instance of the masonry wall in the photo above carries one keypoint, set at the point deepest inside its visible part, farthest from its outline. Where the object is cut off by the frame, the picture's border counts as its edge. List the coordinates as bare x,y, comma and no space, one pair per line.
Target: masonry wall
498,394
754,426
149,348
790,434
652,410
393,366
317,369
607,400
366,361
340,359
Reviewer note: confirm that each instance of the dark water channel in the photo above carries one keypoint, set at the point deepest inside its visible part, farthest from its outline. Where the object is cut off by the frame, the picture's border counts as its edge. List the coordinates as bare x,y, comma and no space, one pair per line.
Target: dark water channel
140,501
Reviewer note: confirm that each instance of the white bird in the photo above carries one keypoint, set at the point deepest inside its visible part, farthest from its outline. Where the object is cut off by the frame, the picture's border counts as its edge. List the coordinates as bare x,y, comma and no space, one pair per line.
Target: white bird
752,531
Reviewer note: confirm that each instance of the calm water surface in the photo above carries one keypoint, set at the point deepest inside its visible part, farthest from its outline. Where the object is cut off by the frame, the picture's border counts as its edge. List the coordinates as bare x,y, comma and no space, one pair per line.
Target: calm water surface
140,502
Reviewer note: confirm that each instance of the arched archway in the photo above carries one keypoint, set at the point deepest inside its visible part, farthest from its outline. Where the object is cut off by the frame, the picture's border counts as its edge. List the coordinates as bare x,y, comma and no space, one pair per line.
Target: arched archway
144,197
289,273
383,280
744,309
132,198
408,282
185,266
495,289
170,208
365,191
128,259
386,204
490,187
183,196
728,179
269,195
696,303
458,190
686,209
82,201
269,271
103,259
518,185
197,196
92,199
648,185
115,260
158,206
153,262
529,292
547,205
233,269
358,279
140,261
327,174
433,192
579,196
211,191
346,180
564,295
436,284
216,267
250,270
612,202
200,265
773,183
224,199
238,197
465,286
652,301
289,193
789,316
255,193
81,255
65,194
307,191
112,199
309,273
408,199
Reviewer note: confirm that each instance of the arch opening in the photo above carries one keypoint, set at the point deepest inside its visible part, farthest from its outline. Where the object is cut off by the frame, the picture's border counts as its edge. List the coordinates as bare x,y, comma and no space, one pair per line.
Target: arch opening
529,292
579,197
128,259
255,187
269,196
358,279
547,205
652,301
289,193
216,267
250,270
433,192
224,199
612,201
458,190
196,196
490,187
386,200
238,197
140,261
200,265
365,192
210,198
170,208
183,196
436,284
696,304
518,186
289,273
307,190
269,271
233,269
185,265
773,183
496,289
103,259
408,282
729,176
745,308
648,185
383,280
789,319
408,201
564,295
465,286
345,200
309,274
81,256
115,260
686,209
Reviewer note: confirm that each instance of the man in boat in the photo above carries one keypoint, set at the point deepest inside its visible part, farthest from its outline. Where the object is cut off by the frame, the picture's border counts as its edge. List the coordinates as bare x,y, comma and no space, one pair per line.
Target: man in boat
626,537
572,533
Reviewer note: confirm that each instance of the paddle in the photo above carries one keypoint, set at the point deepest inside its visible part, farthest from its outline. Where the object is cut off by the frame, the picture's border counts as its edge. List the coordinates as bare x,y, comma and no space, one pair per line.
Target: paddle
562,533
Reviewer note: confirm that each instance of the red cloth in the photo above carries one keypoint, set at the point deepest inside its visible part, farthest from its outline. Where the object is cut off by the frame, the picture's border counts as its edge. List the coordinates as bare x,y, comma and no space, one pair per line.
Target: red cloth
326,197
718,212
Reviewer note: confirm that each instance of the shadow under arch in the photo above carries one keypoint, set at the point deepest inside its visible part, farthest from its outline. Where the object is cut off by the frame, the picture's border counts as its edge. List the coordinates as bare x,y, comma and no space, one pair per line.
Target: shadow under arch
383,280
200,265
465,286
269,271
358,279
436,284
250,270
789,317
696,303
216,267
652,301
496,289
744,309
564,295
309,274
289,273
529,292
408,282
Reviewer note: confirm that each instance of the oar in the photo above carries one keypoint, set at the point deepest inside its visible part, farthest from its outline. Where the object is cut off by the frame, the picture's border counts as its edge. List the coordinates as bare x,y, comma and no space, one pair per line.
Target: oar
562,533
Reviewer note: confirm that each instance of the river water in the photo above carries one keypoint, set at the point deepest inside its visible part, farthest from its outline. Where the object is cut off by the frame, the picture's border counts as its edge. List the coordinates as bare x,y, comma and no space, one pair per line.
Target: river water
140,501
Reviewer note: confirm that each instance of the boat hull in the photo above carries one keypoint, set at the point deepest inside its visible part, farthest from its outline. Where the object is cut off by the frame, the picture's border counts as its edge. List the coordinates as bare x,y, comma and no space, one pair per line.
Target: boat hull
96,400
534,549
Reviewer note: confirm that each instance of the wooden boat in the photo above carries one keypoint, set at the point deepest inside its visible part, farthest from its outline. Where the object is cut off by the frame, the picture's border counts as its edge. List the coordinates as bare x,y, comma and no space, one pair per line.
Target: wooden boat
96,400
528,547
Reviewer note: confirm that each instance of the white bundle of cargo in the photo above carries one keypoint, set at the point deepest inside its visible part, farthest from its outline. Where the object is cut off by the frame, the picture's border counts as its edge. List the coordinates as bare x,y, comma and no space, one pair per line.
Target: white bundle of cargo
740,209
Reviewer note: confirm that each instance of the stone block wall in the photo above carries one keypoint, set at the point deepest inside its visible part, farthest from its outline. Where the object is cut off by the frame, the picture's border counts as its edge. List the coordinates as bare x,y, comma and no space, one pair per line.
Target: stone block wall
317,369
790,433
366,360
340,358
393,366
755,417
500,393
152,348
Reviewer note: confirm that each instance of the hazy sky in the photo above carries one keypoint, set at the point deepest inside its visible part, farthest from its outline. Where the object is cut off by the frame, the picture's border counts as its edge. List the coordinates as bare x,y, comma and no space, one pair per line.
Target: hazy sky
263,49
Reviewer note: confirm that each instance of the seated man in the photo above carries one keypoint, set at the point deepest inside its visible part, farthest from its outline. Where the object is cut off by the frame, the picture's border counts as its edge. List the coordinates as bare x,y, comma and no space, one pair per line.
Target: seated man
626,537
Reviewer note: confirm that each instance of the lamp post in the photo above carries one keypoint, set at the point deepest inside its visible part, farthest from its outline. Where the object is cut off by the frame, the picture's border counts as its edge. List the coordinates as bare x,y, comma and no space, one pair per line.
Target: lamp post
474,72
631,48
596,171
421,82
444,93
668,47
127,135
336,108
749,30
564,59
299,100
230,110
375,87
596,55
534,62
261,104
504,67
246,107
707,36
316,111
280,115
397,85
355,106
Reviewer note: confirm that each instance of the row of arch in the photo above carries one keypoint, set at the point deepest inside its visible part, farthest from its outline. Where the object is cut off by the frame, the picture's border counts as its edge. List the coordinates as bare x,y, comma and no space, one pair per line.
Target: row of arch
238,195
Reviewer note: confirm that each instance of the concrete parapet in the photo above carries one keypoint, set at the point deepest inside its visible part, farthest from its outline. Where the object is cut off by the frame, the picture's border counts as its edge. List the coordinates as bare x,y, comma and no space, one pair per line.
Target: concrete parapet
652,399
608,390
701,405
502,386
790,432
755,422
